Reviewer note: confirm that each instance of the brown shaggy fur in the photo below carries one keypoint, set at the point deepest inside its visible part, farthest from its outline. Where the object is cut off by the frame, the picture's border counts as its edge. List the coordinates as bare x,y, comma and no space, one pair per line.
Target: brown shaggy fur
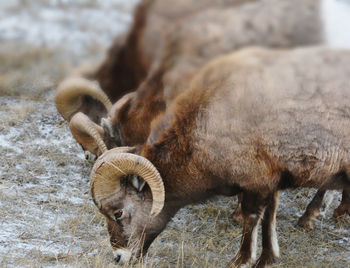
260,168
196,37
126,64
255,121
131,56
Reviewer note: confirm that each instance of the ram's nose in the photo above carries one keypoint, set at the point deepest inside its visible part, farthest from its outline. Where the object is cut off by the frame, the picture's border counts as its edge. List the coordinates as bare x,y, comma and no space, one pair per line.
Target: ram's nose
122,256
117,258
89,156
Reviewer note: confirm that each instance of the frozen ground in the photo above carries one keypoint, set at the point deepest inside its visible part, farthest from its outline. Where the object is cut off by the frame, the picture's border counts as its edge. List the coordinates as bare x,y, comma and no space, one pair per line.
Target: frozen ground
46,216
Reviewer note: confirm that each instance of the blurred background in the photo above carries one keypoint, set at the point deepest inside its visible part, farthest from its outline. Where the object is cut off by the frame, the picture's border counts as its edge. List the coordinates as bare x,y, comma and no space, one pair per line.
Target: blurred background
45,38
46,217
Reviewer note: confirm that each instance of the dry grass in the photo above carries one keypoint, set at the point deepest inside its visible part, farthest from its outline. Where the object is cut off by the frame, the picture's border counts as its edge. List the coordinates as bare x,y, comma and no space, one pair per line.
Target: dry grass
28,71
47,219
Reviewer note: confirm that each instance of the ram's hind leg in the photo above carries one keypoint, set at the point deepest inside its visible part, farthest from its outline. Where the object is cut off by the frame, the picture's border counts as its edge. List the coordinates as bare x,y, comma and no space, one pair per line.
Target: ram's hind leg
237,215
344,207
312,210
343,183
253,207
270,248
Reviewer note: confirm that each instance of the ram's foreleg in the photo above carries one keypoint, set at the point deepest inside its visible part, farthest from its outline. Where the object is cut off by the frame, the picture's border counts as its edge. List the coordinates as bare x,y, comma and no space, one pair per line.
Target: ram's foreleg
270,248
253,207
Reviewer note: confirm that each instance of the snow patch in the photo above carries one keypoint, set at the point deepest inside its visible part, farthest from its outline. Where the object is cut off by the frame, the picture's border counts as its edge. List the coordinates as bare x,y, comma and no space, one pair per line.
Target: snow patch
77,27
336,18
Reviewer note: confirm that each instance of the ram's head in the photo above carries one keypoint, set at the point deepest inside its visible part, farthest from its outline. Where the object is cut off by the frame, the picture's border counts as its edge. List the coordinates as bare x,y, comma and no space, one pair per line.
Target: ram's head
83,103
133,210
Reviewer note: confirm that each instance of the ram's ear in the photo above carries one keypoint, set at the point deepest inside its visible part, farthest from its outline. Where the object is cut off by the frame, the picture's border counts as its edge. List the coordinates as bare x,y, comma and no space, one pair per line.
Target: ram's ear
121,105
112,134
137,182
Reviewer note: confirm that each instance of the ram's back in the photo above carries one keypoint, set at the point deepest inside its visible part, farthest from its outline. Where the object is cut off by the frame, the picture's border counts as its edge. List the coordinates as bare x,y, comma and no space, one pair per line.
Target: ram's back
268,111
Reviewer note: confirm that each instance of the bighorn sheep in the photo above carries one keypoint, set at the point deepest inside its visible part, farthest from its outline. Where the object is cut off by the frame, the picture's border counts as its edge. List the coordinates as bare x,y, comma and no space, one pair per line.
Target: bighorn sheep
126,65
219,27
131,56
284,122
81,92
200,37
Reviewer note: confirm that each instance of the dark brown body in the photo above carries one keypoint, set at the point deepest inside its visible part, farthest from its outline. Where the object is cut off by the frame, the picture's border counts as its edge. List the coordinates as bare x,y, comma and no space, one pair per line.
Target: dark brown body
284,122
275,131
256,121
204,30
197,32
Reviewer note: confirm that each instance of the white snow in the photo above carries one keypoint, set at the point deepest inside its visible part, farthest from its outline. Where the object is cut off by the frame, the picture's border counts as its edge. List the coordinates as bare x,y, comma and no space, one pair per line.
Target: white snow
70,25
336,16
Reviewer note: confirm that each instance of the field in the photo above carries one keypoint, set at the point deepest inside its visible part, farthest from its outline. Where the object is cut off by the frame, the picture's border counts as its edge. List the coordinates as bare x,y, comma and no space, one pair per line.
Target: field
47,218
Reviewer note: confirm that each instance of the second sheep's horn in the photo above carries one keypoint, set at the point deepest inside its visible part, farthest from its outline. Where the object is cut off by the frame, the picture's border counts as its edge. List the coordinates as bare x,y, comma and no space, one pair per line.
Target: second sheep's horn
70,93
88,134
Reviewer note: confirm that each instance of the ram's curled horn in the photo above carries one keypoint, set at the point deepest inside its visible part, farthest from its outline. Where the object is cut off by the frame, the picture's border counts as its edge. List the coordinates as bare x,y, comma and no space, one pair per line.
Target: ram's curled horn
71,91
86,69
87,133
115,163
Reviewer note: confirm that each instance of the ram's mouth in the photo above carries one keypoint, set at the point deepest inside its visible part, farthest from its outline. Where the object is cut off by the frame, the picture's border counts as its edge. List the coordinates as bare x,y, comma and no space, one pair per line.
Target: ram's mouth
122,255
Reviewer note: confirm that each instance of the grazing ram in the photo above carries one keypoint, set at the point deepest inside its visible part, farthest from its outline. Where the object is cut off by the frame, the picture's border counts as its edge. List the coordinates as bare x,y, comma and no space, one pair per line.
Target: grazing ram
129,59
126,65
120,73
283,122
187,24
217,29
220,27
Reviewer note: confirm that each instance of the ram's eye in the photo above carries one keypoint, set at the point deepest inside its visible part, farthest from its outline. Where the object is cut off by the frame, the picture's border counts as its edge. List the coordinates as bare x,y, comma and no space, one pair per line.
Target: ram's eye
118,214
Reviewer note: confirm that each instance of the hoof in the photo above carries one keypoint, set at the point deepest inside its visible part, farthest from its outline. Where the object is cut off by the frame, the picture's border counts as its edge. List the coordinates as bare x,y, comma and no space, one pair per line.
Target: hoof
306,224
265,260
238,261
338,212
237,217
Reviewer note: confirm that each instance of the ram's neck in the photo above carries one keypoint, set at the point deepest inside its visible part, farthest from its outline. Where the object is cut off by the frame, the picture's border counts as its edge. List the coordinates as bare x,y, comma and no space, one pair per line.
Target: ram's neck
171,149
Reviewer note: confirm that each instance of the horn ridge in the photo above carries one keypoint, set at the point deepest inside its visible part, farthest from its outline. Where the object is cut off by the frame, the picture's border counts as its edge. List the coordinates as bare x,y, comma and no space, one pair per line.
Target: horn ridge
112,165
81,126
69,94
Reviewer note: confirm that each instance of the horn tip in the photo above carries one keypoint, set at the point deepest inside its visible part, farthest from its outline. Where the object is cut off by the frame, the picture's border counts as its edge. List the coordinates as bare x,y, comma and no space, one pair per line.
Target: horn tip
156,211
